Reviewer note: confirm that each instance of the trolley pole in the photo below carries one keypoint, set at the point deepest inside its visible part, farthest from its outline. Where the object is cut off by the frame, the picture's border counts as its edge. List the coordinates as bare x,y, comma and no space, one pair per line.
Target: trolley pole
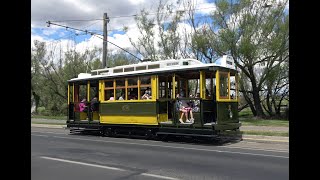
105,40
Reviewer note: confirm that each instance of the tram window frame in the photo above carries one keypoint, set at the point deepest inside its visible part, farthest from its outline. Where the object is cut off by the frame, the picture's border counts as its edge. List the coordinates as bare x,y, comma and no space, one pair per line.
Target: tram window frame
183,83
108,89
224,75
132,88
210,83
234,83
144,85
94,90
120,88
164,86
82,92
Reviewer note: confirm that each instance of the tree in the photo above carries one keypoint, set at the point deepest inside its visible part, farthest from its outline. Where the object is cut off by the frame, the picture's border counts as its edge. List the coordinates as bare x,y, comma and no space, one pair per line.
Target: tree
50,74
158,36
255,35
37,55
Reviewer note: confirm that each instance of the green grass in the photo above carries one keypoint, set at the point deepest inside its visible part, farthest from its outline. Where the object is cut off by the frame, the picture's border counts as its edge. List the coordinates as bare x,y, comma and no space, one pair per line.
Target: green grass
245,113
266,133
247,119
50,117
264,122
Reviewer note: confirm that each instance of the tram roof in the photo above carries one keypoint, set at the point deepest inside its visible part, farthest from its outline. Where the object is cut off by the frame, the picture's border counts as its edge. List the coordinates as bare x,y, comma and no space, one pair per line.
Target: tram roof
157,67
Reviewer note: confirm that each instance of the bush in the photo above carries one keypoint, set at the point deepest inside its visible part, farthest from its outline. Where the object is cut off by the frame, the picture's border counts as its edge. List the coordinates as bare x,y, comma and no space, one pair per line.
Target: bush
41,109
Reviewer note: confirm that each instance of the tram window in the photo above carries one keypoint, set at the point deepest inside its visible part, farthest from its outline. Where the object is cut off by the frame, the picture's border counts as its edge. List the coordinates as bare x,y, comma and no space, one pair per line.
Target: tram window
132,81
210,83
109,90
108,84
145,93
183,87
193,87
109,94
120,83
82,92
93,90
120,94
163,87
120,89
145,85
162,90
223,89
233,87
132,88
145,80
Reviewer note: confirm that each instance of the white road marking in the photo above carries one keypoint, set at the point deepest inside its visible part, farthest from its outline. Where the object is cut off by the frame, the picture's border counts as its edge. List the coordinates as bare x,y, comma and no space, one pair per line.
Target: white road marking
158,176
106,167
197,149
82,163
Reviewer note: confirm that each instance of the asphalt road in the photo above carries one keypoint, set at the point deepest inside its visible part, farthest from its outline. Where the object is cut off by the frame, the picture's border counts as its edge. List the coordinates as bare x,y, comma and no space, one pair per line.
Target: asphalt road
57,155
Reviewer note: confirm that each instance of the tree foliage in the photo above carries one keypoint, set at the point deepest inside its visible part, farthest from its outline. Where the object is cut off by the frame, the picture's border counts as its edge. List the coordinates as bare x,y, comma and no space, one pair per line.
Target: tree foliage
254,33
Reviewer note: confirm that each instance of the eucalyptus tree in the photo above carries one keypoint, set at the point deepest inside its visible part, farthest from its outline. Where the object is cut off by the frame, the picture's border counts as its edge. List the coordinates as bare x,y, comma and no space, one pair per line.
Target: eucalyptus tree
50,72
159,36
38,52
256,35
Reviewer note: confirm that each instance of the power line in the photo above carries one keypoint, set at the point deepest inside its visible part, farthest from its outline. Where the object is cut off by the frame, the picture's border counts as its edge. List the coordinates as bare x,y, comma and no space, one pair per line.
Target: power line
133,15
77,20
117,46
93,34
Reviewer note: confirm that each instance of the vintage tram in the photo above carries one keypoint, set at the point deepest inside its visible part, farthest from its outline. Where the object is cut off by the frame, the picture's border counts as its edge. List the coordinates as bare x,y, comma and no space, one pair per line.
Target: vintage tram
146,99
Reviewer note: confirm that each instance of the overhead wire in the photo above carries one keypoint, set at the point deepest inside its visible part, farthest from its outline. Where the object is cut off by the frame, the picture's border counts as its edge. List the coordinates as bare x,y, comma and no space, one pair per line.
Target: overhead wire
93,34
126,16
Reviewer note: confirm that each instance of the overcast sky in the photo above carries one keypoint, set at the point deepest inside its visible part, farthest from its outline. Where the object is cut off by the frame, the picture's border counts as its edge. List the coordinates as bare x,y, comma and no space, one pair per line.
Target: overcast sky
63,10
93,10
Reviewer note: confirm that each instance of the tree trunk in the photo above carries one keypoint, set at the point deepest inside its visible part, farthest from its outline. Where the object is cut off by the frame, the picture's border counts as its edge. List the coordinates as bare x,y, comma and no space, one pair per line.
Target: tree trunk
253,110
257,102
37,100
268,103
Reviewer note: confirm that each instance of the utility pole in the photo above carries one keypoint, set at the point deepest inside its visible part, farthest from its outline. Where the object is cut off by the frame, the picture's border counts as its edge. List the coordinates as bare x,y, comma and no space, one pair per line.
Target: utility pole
105,40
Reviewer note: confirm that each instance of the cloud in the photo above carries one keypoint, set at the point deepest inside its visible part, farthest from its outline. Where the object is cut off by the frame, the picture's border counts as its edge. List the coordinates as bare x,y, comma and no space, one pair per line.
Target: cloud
205,8
48,32
55,10
89,44
120,12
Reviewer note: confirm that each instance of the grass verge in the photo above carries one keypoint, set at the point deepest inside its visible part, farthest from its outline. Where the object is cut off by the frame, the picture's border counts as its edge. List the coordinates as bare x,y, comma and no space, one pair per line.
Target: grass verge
266,133
264,122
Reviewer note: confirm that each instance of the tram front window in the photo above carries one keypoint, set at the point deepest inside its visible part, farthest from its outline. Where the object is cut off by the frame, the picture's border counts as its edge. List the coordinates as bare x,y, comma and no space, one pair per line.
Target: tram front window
233,87
223,90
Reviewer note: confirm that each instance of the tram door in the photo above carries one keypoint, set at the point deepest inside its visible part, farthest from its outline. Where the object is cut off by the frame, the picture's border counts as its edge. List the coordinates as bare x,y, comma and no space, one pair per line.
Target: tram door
165,97
93,99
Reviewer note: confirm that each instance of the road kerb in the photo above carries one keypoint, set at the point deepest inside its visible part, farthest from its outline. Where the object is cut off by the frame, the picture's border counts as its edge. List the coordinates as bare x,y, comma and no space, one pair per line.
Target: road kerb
275,139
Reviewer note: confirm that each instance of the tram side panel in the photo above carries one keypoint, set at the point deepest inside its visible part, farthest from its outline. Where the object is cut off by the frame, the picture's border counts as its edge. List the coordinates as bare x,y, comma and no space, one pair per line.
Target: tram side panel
227,116
134,113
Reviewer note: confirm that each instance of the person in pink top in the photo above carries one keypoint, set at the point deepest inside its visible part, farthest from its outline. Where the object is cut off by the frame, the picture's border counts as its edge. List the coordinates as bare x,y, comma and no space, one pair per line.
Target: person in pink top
82,106
111,97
